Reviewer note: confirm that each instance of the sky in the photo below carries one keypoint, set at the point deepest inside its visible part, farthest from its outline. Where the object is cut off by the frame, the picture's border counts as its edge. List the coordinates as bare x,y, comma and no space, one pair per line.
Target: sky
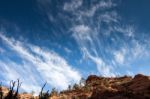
61,41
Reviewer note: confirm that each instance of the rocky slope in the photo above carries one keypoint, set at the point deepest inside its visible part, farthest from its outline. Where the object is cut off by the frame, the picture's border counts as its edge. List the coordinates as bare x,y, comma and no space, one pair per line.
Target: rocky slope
96,87
110,88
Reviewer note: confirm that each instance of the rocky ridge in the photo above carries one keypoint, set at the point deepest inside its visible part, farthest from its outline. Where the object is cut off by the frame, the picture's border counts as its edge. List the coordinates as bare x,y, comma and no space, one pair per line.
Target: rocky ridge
97,87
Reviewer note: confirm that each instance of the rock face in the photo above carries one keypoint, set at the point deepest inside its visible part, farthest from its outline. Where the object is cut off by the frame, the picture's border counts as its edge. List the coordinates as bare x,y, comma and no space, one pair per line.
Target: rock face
25,96
92,78
124,87
5,90
140,83
96,87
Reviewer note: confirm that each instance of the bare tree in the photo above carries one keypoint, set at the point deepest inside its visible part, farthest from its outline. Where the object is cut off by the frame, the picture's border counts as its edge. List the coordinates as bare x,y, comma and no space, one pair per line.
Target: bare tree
13,94
1,91
69,87
18,86
43,95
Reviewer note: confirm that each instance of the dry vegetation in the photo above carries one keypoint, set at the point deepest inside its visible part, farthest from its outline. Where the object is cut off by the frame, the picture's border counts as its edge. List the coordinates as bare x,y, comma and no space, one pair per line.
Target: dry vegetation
93,87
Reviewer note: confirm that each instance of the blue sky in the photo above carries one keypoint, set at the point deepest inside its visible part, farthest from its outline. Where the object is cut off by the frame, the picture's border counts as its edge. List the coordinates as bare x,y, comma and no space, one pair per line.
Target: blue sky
60,41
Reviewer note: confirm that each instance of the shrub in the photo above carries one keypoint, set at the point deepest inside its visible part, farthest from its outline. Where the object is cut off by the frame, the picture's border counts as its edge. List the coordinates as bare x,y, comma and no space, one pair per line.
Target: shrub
82,82
76,86
69,87
54,92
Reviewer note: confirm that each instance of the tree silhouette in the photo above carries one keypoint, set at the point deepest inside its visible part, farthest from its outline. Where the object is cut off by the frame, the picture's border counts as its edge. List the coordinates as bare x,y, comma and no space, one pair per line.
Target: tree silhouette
12,94
1,91
43,95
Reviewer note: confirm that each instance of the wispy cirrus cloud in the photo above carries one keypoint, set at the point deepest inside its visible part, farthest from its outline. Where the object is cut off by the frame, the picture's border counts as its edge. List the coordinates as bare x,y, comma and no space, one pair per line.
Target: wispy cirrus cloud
67,50
101,34
72,5
102,37
85,38
90,33
46,64
102,67
120,56
1,50
13,71
100,6
126,30
87,33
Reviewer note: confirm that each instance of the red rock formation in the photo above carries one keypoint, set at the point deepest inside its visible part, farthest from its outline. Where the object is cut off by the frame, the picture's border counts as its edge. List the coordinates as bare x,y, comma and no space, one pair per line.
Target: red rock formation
96,87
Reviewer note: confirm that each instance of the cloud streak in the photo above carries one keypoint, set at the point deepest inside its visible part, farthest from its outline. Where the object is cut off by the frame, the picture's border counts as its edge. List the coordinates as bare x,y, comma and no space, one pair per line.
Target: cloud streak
50,66
73,5
102,38
86,31
89,35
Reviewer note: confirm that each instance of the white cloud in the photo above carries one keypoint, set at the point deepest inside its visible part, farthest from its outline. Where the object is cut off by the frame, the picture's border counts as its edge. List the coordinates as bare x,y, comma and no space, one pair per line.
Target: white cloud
2,50
139,50
109,17
90,11
83,29
92,27
120,56
106,4
102,67
9,71
88,31
81,32
85,37
127,30
72,5
13,71
51,67
130,52
130,73
67,50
